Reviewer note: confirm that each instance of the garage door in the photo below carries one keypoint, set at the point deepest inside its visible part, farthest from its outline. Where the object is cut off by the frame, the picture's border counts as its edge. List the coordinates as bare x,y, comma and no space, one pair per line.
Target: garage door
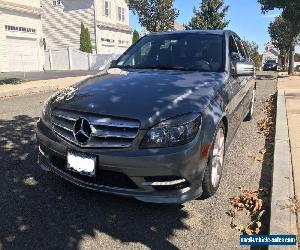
22,54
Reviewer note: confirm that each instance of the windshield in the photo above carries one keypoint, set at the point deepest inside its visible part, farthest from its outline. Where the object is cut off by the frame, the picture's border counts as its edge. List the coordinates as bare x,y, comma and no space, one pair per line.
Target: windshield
271,61
195,52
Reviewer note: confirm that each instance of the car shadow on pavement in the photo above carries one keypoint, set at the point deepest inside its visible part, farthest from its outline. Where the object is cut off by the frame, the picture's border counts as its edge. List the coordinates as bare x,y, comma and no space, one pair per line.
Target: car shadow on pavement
40,211
267,171
266,76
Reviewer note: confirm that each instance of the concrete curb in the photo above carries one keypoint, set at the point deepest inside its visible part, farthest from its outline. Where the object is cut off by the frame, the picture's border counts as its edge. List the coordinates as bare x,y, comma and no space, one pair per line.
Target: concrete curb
283,220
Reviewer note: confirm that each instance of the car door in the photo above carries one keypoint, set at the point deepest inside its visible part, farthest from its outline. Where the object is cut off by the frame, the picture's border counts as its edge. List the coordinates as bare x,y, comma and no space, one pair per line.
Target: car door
237,89
246,82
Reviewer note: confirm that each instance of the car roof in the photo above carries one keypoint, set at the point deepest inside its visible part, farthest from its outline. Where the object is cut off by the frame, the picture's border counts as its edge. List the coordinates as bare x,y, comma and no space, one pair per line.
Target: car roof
214,32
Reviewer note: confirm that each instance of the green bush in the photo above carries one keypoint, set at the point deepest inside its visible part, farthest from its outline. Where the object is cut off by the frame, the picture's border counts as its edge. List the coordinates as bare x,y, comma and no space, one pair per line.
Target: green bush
85,40
10,81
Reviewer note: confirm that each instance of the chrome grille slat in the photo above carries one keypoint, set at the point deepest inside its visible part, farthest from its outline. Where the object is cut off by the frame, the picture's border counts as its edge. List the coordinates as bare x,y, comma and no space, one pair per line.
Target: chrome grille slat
62,127
64,134
94,142
113,134
68,125
97,120
107,132
110,123
64,117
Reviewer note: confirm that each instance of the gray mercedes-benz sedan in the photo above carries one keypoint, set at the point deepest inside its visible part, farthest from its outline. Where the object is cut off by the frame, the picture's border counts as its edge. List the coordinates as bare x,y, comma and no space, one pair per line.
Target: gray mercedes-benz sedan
157,124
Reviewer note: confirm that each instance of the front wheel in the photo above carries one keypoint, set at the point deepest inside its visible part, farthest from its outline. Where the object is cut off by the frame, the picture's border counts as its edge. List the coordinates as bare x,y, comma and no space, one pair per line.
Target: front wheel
213,173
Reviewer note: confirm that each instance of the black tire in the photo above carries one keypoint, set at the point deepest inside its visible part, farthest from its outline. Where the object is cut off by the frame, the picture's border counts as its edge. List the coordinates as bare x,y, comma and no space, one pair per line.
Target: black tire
207,186
249,115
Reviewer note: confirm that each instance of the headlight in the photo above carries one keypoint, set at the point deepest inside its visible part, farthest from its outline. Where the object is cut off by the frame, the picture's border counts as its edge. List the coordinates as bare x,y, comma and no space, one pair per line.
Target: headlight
173,132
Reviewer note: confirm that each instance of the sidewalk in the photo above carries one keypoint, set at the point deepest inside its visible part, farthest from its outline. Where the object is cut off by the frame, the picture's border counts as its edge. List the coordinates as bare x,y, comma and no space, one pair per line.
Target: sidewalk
9,90
291,87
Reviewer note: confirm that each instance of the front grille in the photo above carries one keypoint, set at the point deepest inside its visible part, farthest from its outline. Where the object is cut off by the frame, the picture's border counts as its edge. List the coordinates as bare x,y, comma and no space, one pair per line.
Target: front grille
106,132
103,177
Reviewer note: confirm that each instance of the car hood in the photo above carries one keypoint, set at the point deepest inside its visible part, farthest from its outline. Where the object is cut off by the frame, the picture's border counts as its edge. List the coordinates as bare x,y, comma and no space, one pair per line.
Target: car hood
149,96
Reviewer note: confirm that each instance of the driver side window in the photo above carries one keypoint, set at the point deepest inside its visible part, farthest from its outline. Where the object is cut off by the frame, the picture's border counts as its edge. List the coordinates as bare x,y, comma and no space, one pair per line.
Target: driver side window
241,48
233,50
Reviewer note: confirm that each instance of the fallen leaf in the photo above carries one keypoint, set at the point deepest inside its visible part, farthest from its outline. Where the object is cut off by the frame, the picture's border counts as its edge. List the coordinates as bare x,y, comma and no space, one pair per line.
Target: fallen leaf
258,223
263,151
248,231
258,159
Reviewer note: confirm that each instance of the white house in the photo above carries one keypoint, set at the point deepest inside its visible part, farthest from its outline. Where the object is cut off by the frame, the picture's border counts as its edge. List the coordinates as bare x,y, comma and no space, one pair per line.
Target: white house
107,21
21,44
270,53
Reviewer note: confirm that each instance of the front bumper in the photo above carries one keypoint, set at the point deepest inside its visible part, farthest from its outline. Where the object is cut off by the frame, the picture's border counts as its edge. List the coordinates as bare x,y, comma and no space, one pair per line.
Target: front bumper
130,173
270,68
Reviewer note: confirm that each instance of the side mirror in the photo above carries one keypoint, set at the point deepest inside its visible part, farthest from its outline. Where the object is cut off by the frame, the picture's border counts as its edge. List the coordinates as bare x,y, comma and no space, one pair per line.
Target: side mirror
235,56
113,63
244,69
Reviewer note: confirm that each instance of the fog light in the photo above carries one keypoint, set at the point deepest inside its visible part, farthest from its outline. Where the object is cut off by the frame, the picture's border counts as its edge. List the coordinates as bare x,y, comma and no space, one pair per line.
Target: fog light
166,182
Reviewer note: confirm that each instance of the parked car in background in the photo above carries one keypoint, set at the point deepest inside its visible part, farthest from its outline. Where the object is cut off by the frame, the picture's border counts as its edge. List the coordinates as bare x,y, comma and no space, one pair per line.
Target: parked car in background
156,126
270,65
297,68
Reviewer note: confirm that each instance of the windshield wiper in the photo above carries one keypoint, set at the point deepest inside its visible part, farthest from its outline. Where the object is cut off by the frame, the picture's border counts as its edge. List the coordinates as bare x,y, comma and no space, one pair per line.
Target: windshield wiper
165,67
159,67
123,67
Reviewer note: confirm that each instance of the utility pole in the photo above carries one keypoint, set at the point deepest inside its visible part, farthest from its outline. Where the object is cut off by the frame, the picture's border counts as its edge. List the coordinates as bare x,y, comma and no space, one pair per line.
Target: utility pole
95,25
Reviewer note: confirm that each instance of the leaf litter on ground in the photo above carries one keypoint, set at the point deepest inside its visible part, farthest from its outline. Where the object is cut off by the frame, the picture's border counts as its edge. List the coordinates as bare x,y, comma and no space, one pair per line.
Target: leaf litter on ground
250,203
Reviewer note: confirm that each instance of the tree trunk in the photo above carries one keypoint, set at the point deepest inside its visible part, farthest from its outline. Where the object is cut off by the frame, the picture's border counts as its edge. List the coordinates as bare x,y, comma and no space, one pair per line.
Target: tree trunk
292,57
283,60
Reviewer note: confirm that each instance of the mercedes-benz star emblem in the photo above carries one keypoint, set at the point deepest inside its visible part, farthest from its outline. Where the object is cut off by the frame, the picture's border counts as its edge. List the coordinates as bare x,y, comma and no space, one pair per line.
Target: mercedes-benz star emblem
82,130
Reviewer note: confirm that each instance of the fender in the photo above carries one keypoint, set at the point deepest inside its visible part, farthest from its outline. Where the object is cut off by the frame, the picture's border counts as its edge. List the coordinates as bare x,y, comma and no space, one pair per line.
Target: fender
213,115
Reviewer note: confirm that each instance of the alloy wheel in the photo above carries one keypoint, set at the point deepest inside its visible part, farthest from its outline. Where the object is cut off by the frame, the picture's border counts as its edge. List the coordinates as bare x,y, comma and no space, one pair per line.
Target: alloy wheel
218,158
252,102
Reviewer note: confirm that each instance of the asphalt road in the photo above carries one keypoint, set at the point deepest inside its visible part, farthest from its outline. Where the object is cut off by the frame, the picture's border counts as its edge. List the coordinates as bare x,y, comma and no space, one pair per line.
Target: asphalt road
47,75
41,211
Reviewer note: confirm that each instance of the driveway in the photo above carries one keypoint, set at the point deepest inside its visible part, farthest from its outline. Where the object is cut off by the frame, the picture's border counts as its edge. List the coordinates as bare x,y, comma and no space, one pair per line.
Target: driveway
47,75
41,211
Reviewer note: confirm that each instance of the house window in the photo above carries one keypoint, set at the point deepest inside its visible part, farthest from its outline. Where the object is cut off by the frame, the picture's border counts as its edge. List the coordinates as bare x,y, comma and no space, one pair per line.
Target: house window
123,42
107,40
21,29
121,14
106,8
57,2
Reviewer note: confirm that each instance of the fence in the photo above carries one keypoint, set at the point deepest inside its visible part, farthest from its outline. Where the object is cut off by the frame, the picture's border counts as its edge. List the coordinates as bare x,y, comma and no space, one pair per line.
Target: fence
71,59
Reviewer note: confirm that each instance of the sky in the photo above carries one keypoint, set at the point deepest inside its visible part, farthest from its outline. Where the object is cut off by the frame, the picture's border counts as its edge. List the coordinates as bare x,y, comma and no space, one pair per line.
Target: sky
245,18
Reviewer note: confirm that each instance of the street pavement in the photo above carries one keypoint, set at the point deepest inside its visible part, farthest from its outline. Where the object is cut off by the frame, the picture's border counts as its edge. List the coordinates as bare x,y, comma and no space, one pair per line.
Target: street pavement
9,90
47,75
41,211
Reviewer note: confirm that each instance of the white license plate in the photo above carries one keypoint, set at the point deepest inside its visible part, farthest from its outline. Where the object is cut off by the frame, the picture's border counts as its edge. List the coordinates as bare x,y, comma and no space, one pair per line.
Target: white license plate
81,163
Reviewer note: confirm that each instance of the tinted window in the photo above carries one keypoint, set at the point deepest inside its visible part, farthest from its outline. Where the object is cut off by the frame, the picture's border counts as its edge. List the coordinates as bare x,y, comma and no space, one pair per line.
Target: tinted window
233,50
246,50
240,47
201,52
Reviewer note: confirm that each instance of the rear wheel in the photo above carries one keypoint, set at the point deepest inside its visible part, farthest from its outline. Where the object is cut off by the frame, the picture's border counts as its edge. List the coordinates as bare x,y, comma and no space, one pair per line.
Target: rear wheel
214,168
251,108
